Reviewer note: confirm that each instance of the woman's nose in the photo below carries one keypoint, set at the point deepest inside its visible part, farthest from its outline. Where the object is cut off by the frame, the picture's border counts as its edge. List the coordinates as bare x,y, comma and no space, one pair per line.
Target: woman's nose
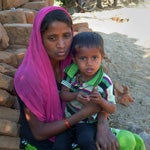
60,43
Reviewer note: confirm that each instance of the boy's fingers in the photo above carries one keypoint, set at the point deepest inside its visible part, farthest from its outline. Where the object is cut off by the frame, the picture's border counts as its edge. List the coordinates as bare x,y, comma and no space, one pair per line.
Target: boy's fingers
95,89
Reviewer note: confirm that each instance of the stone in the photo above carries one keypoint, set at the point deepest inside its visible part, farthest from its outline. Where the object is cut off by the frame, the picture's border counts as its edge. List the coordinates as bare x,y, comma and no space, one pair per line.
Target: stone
13,16
7,4
9,128
35,5
20,54
7,69
77,26
4,39
6,82
0,5
9,114
50,2
9,58
6,99
9,143
18,33
30,14
122,94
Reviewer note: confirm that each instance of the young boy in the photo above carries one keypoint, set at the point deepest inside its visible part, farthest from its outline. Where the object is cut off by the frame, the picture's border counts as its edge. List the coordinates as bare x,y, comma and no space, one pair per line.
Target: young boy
85,82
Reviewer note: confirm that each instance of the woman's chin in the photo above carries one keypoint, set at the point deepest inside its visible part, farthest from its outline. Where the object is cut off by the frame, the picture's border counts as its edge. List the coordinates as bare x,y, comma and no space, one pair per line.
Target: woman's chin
61,57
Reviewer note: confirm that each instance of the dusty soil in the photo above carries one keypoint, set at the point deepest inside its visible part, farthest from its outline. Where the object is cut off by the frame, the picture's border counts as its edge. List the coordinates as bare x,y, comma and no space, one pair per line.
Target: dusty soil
127,45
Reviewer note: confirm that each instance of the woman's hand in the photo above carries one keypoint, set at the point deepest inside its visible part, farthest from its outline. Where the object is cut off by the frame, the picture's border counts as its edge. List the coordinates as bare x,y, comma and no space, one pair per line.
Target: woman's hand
90,108
105,139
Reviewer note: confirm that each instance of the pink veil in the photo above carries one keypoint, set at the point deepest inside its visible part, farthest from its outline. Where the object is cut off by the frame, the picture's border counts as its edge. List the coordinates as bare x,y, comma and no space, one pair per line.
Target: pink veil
34,80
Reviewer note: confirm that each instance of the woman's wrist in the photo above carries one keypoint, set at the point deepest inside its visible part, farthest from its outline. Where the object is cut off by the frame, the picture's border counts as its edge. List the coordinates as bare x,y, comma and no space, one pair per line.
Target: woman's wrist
77,117
102,117
67,124
104,113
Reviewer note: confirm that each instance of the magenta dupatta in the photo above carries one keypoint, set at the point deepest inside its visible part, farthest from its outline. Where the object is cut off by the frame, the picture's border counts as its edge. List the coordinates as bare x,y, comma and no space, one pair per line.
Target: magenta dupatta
34,81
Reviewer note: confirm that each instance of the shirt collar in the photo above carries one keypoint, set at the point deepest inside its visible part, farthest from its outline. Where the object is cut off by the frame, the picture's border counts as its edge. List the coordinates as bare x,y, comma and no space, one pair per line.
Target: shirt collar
72,69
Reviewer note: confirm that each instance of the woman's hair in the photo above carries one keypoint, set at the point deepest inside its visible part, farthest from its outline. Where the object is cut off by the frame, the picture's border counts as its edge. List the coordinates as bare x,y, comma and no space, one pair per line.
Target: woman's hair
56,15
89,40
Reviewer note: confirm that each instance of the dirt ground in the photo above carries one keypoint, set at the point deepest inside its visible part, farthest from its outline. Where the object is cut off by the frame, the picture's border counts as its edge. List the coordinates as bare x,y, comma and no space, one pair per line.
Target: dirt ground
127,45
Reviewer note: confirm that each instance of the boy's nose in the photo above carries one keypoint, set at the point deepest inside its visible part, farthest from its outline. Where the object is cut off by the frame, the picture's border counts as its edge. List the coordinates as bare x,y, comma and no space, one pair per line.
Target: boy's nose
89,62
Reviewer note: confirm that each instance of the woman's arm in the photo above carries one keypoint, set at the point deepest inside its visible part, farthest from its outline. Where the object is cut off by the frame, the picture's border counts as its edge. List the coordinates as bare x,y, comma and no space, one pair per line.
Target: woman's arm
105,139
42,130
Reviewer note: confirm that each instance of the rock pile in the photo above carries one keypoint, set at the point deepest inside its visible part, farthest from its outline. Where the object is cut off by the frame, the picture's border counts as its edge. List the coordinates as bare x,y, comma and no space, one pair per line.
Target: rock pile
16,18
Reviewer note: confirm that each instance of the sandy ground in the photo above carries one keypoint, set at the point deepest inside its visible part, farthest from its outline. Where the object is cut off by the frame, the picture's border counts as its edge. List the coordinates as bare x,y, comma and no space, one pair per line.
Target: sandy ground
127,45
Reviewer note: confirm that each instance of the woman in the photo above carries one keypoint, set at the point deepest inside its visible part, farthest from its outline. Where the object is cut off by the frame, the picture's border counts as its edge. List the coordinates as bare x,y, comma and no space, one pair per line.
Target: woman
37,82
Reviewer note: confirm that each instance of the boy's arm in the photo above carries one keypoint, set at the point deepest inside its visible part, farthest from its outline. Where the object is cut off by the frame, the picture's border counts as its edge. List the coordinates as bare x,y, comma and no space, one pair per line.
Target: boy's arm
105,105
67,95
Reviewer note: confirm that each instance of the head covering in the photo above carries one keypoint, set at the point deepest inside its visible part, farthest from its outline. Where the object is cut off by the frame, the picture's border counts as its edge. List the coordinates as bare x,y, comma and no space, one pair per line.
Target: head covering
34,80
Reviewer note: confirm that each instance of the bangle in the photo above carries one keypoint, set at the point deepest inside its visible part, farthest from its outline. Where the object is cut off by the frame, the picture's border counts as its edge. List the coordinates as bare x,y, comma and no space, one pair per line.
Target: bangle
67,124
105,114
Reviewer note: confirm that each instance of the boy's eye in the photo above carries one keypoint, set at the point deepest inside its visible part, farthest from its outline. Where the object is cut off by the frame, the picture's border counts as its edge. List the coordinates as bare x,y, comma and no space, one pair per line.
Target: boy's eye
95,57
82,58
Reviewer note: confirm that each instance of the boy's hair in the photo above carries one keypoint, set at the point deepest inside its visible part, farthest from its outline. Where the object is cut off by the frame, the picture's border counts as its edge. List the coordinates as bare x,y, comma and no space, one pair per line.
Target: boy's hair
89,40
56,15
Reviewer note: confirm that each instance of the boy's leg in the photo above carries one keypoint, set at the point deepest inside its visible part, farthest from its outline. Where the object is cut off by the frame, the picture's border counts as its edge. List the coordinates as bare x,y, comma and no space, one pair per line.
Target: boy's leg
63,141
85,134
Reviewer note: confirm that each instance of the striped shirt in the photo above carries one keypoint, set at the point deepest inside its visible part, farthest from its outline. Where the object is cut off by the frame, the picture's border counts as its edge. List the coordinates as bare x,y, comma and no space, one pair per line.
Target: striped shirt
100,79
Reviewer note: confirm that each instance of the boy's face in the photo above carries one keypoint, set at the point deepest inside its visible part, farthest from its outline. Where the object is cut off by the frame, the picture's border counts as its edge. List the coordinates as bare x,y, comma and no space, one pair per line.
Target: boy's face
88,61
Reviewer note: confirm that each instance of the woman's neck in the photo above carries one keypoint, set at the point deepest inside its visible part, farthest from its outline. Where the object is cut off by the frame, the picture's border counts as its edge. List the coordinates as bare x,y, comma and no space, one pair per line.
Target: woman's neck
55,63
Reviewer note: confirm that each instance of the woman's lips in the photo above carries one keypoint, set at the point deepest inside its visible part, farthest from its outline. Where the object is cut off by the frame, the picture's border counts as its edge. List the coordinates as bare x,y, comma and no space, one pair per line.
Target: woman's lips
61,53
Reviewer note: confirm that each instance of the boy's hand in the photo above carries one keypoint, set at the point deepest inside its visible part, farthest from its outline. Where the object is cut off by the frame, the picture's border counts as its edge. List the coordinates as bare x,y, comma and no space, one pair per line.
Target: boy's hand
95,95
83,98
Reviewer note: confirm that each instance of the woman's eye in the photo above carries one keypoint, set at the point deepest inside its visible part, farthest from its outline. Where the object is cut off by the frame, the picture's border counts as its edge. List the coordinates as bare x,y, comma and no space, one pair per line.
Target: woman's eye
67,35
52,38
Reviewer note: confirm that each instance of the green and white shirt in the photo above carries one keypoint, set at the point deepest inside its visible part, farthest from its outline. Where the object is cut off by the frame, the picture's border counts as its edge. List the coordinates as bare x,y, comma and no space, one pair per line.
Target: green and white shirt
101,80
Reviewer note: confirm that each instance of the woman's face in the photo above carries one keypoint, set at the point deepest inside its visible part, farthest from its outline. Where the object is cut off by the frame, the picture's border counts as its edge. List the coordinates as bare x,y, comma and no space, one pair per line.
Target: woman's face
57,40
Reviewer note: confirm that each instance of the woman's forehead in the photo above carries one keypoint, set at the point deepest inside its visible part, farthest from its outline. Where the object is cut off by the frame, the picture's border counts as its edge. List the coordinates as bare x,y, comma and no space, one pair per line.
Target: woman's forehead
58,26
